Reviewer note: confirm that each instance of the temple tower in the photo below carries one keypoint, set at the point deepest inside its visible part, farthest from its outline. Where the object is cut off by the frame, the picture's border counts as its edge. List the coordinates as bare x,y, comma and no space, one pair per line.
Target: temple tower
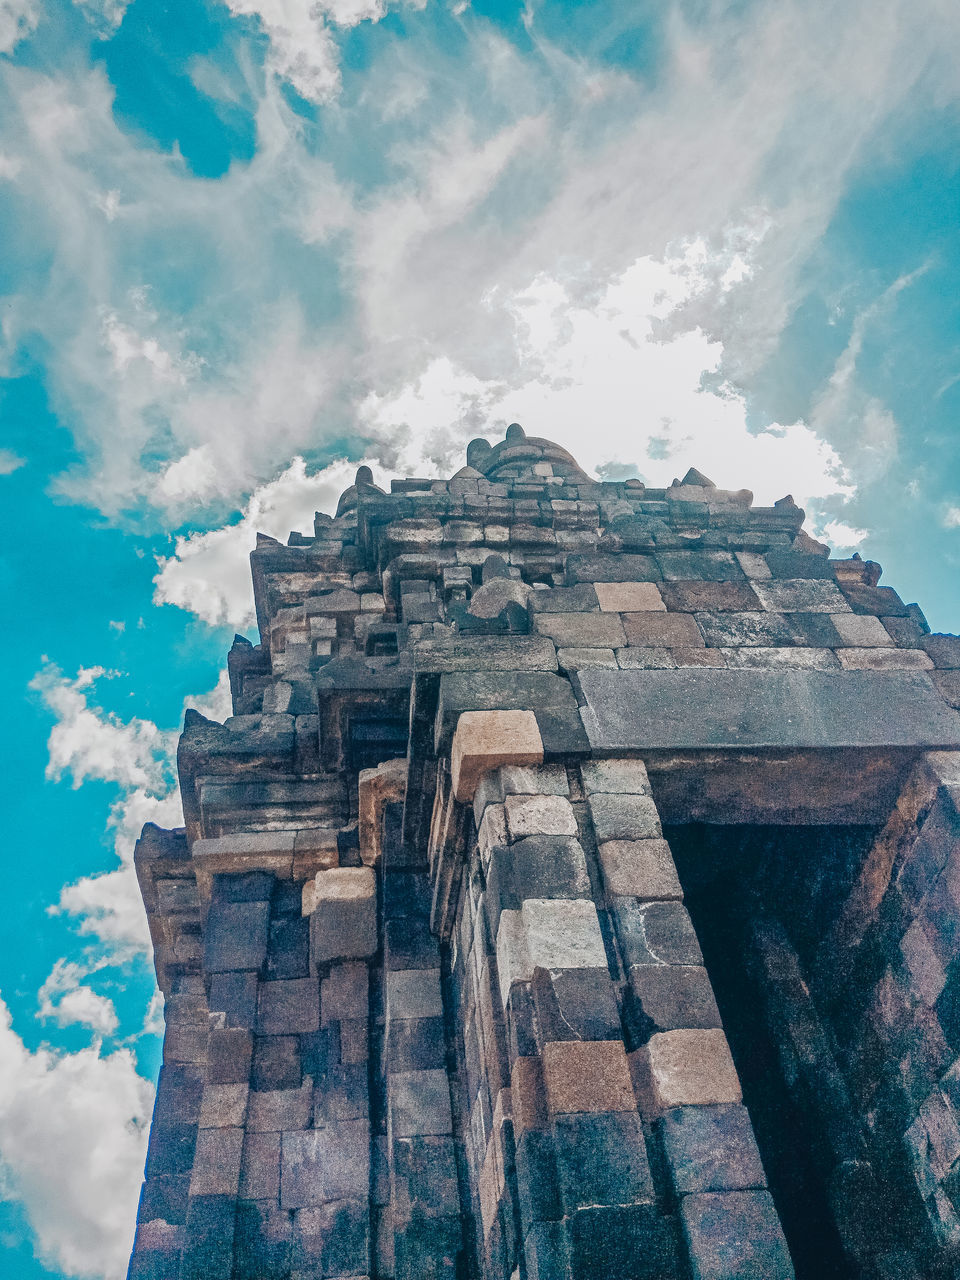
572,895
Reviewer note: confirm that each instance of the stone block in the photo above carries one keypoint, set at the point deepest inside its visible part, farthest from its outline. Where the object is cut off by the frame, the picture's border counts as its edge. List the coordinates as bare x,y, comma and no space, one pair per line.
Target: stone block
801,595
684,1068
655,933
669,996
539,815
289,1006
345,993
800,656
330,1240
861,631
419,1103
224,1106
562,934
943,649
485,740
276,1063
260,1167
628,597
408,944
639,868
579,599
235,936
587,1075
288,950
342,1094
665,630
596,568
537,1185
414,993
343,919
711,1148
735,1235
575,1004
274,1109
798,564
582,630
624,816
726,597
416,1044
229,1055
216,1165
601,1159
731,630
660,710
261,1245
323,1165
623,775
622,1242
208,1243
235,995
528,1094
574,659
878,659
708,566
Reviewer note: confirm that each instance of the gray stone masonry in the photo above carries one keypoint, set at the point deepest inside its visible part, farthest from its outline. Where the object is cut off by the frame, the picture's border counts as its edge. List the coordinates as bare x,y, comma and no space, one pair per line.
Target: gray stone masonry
436,1005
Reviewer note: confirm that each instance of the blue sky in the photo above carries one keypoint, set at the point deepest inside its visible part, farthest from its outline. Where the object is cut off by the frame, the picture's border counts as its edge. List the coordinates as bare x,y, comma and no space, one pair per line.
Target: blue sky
246,246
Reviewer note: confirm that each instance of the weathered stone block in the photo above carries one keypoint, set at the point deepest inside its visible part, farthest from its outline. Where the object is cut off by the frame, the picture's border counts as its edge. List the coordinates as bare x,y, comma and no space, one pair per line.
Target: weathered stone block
623,775
666,630
628,597
275,1109
639,868
711,566
229,1054
618,568
539,815
878,659
260,1167
801,595
343,917
223,1106
861,631
414,993
689,597
670,996
587,1075
574,659
323,1165
289,1006
943,649
276,1063
731,630
485,740
624,816
632,1242
575,1004
735,1235
416,1044
537,1184
711,1148
602,1159
582,630
419,1103
216,1165
684,1068
235,995
236,935
562,934
654,933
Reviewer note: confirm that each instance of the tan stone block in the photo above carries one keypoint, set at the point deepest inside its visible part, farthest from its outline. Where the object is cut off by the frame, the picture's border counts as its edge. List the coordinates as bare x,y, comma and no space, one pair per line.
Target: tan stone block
376,788
216,1164
587,1075
878,659
669,630
640,869
684,1068
628,597
223,1106
861,630
485,740
528,1096
539,815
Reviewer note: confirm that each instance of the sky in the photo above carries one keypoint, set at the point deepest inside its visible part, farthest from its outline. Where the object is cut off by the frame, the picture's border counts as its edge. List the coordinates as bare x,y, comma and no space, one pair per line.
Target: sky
246,246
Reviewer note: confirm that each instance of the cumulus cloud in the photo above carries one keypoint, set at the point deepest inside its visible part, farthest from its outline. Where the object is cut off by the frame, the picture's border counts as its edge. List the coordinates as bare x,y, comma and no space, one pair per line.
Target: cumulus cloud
87,742
18,19
10,462
490,172
65,999
73,1135
209,573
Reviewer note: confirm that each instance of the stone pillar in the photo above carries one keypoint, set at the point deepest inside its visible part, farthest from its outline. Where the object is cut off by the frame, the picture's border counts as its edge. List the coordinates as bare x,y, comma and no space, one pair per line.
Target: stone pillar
592,1046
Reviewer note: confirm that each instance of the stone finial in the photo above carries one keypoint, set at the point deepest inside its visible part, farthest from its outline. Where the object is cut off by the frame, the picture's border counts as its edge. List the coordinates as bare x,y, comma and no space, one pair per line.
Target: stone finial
364,476
515,433
484,740
697,478
477,452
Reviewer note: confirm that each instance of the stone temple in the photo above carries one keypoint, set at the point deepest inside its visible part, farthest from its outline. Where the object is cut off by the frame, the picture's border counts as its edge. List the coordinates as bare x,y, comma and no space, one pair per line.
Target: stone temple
572,895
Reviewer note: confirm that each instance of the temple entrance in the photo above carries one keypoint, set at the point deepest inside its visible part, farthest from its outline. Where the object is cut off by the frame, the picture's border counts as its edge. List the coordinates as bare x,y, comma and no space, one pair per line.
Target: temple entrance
761,900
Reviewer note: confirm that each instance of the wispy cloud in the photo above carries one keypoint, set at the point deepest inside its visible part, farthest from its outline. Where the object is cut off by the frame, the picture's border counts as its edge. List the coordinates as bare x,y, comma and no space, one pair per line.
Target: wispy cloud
10,462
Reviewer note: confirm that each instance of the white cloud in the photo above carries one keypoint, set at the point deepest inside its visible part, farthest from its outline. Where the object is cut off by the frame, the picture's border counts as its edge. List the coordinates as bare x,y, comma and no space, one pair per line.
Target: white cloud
18,19
73,1134
209,573
66,1001
87,742
303,48
106,15
10,462
842,536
